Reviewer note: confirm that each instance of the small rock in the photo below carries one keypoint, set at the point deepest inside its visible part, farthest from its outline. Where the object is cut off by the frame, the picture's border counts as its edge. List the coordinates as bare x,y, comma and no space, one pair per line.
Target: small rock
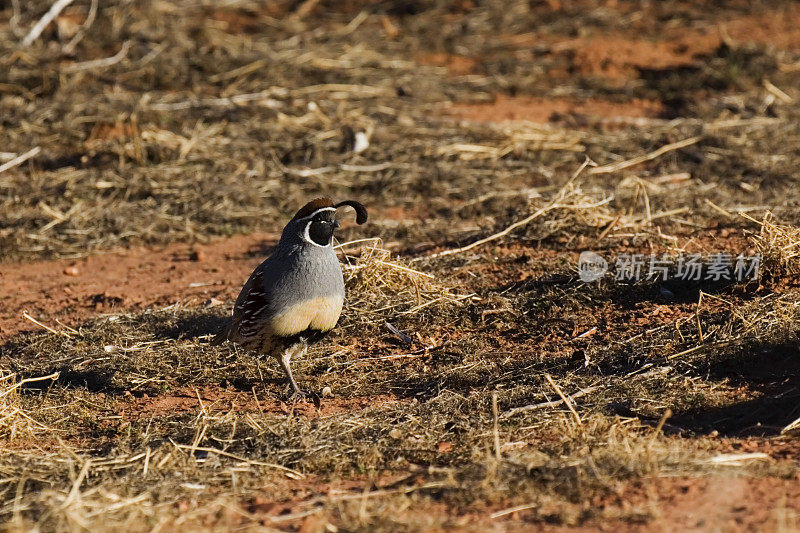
395,433
361,142
71,271
445,447
213,302
327,392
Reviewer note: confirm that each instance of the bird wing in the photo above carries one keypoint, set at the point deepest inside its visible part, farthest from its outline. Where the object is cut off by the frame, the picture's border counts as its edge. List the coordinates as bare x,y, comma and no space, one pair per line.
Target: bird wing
250,311
253,315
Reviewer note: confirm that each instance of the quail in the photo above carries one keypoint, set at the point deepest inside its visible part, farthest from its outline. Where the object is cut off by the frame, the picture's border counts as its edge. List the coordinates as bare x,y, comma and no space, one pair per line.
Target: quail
295,296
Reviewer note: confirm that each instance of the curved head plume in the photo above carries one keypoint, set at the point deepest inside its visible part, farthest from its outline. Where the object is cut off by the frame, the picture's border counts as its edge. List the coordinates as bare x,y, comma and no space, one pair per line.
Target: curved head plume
361,211
327,204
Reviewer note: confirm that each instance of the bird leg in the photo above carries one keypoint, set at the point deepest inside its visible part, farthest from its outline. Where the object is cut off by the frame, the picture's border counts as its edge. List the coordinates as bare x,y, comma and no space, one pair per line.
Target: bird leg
285,359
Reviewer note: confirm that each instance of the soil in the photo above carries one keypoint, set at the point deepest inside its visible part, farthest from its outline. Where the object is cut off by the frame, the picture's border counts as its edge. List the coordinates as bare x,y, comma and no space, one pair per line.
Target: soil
542,110
599,65
72,290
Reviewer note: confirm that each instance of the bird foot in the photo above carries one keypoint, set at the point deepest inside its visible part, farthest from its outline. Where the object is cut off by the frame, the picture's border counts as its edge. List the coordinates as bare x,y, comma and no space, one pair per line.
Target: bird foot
300,395
297,396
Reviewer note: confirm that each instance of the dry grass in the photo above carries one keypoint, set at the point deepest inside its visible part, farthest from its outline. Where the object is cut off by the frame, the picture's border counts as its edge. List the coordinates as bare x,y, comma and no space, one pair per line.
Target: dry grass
234,139
16,422
779,246
425,436
381,286
486,387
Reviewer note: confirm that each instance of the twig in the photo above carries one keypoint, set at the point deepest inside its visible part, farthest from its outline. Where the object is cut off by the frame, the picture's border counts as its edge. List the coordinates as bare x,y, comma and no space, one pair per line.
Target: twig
20,159
567,401
792,426
605,169
553,204
661,422
355,23
348,243
69,48
100,63
289,472
48,328
15,9
235,100
735,458
237,72
48,17
392,265
554,403
374,493
20,383
305,9
77,485
366,168
365,90
496,236
146,466
777,93
700,347
514,509
717,208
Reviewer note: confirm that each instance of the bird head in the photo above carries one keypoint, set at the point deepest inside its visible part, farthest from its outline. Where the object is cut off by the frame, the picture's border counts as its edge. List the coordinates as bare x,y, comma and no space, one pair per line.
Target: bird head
316,221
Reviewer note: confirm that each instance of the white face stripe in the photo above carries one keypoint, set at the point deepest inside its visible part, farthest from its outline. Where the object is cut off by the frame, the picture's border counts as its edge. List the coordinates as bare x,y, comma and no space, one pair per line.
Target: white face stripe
307,237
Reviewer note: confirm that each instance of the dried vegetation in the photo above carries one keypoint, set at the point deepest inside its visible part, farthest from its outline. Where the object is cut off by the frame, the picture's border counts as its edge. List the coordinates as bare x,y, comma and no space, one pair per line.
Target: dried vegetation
474,379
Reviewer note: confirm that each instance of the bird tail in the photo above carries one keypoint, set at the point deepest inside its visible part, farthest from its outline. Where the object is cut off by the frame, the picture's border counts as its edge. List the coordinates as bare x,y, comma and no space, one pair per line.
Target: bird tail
221,337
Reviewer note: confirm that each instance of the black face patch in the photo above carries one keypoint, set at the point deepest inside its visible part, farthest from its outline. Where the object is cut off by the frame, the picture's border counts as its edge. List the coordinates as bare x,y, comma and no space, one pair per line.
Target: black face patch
321,227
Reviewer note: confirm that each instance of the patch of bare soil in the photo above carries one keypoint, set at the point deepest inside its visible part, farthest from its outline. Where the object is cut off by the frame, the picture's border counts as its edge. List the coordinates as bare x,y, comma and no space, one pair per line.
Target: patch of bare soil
617,58
543,110
73,290
456,65
726,504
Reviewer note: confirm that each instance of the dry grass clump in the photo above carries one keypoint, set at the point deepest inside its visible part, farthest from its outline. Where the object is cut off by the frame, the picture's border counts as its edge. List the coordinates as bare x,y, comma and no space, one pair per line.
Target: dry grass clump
15,420
779,246
381,287
435,441
767,318
578,208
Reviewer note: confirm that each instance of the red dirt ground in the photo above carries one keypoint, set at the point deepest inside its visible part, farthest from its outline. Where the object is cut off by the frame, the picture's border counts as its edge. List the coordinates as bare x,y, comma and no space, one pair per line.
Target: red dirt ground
542,110
616,58
136,278
73,290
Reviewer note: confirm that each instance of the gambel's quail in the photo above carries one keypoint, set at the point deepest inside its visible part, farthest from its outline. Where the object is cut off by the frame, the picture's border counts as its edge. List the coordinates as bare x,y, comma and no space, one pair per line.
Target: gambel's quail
295,296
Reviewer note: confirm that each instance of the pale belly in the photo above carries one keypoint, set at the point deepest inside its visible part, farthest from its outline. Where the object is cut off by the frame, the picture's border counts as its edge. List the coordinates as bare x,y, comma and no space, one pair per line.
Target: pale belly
320,314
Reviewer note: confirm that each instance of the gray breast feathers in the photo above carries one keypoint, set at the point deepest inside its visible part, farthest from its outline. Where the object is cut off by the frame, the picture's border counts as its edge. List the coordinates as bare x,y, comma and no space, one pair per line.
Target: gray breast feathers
289,294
